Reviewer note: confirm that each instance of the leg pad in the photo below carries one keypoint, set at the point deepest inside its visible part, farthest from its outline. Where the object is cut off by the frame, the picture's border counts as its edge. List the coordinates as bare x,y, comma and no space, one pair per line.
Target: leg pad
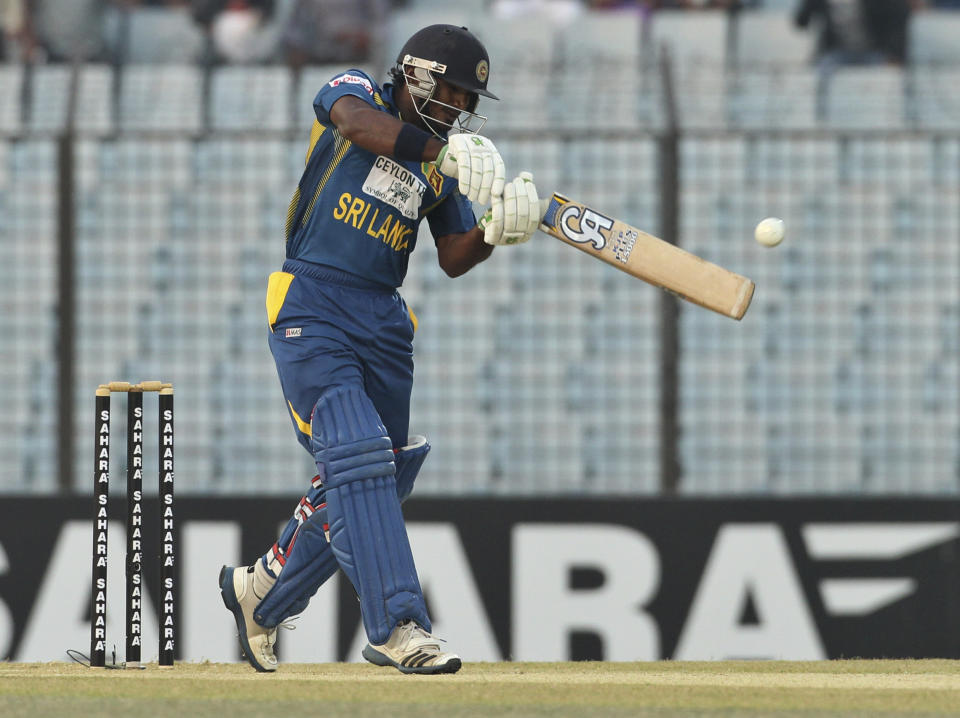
355,458
309,563
409,459
305,547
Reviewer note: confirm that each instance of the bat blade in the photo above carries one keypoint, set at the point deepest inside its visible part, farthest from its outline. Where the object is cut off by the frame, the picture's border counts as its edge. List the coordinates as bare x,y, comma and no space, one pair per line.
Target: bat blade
646,257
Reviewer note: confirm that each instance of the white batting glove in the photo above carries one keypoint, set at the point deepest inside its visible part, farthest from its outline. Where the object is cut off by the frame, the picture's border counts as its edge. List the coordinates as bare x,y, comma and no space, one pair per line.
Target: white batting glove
476,164
513,218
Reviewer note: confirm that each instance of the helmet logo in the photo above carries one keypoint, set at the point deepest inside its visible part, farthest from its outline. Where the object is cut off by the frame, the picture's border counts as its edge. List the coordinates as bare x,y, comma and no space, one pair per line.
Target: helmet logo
483,69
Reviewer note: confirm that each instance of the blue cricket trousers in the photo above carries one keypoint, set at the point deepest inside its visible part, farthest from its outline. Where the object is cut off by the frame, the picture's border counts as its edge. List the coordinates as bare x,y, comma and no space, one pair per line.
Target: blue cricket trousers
329,328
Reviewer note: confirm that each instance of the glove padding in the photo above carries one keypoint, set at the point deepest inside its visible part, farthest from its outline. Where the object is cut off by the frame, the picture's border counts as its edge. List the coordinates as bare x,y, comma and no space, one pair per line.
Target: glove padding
513,218
476,164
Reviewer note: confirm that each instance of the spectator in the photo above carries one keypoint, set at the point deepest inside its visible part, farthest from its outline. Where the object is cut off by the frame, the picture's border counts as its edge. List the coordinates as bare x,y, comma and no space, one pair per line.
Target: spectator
335,32
857,31
12,26
236,30
65,30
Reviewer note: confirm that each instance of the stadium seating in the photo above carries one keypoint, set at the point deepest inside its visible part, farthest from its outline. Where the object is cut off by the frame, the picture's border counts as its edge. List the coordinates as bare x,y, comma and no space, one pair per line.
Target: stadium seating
146,34
779,98
50,92
28,293
933,38
161,97
521,74
539,371
933,97
865,98
598,81
769,39
691,37
11,91
700,93
250,98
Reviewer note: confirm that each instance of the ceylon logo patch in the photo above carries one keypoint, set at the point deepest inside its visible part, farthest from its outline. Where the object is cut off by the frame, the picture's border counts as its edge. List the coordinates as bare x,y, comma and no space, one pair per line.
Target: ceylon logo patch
394,184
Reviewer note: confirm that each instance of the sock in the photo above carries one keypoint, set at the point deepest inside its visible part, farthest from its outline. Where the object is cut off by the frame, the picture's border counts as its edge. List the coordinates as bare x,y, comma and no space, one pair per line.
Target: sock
262,580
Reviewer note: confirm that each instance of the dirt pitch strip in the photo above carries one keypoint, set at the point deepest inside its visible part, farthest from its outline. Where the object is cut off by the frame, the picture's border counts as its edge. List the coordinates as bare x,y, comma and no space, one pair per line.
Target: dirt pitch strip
488,690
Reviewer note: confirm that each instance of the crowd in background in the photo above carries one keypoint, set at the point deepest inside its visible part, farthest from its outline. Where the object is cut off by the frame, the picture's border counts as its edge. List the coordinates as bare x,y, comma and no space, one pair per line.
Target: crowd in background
301,32
296,31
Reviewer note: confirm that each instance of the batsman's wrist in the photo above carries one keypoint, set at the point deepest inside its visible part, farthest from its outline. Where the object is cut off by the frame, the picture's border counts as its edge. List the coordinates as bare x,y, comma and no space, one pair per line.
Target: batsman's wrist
411,143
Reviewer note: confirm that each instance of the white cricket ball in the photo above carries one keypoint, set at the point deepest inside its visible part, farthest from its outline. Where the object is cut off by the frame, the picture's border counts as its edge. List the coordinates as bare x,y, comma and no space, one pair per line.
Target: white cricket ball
769,232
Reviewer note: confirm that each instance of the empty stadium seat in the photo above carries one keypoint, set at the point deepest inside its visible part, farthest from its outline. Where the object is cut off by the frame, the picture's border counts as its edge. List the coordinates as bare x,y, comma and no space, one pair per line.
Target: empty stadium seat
865,97
49,97
598,81
933,99
250,98
161,97
691,37
770,39
166,34
700,93
772,99
521,65
932,38
50,92
11,84
609,38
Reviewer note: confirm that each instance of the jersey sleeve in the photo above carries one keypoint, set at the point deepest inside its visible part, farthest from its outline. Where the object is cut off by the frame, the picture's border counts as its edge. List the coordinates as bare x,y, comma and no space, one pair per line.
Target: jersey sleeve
352,82
454,215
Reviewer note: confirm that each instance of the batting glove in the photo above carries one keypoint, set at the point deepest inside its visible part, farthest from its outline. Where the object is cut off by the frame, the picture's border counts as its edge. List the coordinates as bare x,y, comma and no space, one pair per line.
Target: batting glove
476,164
513,218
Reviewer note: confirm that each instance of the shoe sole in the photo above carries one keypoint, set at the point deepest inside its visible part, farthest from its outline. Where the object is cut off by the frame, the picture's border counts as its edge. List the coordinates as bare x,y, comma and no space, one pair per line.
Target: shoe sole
233,605
378,659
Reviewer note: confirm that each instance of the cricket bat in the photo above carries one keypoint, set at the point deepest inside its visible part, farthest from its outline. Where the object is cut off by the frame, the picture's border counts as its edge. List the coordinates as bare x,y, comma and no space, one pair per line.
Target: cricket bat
646,257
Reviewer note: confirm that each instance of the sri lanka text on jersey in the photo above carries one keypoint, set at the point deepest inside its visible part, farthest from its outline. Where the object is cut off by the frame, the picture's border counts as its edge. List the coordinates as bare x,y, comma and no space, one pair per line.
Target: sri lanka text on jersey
357,213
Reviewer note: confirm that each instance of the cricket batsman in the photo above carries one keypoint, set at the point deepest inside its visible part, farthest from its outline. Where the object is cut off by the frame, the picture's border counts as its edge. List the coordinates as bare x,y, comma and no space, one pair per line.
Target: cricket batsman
380,160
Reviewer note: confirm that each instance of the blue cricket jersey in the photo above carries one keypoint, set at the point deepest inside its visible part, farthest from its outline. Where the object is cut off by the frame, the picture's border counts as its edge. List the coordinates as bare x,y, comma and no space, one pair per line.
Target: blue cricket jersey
360,212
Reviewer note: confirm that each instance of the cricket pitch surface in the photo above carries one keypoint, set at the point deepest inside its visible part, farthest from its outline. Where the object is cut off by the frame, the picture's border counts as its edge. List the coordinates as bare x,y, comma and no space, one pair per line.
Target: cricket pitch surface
664,689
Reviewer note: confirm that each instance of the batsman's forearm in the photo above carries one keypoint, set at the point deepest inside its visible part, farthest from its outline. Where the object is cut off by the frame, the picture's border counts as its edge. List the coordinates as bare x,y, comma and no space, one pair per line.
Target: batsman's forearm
373,130
459,253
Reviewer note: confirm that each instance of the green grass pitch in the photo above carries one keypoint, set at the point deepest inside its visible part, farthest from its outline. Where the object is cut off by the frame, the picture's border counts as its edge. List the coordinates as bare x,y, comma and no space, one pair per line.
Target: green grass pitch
489,690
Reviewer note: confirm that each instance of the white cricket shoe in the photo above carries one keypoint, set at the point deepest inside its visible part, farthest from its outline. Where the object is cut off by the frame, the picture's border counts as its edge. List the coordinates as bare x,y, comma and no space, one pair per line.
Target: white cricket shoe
236,588
410,649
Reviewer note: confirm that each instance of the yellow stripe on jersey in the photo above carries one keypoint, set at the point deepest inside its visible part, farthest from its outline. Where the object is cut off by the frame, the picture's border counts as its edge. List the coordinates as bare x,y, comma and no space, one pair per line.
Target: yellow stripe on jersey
292,211
277,287
340,147
315,132
413,319
301,424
